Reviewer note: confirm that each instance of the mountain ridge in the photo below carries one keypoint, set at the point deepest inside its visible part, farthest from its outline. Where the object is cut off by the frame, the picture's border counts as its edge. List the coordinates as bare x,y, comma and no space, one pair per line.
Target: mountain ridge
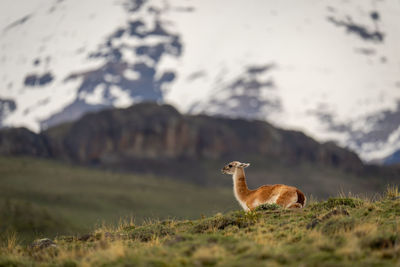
150,118
157,139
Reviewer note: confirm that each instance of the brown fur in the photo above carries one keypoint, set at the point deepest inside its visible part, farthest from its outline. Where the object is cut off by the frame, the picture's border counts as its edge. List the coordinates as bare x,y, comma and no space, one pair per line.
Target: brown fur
283,195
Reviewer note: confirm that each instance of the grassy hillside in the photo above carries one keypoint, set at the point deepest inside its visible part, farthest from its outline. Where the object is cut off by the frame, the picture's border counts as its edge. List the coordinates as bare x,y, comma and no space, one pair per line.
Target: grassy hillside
338,232
46,197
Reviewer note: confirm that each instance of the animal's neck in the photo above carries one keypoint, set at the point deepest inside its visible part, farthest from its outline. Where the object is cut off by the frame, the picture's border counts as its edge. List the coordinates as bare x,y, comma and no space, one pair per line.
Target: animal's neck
239,184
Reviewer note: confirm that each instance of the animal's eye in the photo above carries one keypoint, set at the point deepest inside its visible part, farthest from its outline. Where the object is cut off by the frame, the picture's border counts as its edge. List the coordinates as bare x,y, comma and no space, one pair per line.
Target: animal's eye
230,165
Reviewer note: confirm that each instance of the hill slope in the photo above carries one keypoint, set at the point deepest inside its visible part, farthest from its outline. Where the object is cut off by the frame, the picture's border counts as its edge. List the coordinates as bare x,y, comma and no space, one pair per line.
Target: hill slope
46,197
336,232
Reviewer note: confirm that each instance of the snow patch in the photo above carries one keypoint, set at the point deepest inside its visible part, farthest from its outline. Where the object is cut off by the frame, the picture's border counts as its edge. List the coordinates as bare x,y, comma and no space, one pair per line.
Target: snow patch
131,74
96,97
121,98
379,150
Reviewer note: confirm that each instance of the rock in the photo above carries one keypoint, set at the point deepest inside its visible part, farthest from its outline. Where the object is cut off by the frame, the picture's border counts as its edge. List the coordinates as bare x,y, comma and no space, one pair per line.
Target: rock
86,237
150,132
43,243
21,141
158,135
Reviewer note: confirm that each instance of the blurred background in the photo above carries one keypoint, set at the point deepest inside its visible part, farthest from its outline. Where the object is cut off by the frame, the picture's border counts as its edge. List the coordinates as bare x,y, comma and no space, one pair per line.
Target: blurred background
127,109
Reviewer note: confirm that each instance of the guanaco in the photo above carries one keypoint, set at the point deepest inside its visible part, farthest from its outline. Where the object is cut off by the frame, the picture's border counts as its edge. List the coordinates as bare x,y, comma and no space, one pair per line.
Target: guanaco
283,195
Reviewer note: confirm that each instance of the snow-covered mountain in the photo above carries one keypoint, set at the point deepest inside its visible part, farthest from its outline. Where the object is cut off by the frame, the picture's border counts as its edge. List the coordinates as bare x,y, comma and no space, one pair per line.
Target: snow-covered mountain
328,68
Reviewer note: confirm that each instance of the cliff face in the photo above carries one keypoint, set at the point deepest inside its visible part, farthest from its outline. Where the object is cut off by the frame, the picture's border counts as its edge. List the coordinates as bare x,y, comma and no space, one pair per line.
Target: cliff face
21,141
152,132
158,139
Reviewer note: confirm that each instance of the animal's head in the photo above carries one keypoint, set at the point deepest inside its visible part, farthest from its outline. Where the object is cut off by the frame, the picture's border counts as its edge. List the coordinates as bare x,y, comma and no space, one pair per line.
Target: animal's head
231,167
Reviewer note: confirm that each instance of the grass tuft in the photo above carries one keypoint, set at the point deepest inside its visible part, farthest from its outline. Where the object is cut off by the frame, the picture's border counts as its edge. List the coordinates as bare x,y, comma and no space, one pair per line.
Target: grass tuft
392,192
11,241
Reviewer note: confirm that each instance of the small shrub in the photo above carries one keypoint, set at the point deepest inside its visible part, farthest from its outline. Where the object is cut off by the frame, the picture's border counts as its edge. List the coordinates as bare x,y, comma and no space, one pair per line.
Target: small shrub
251,217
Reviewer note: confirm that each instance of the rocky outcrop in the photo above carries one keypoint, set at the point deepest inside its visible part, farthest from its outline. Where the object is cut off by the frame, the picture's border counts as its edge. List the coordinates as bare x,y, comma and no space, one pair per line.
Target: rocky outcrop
21,141
150,131
157,139
43,243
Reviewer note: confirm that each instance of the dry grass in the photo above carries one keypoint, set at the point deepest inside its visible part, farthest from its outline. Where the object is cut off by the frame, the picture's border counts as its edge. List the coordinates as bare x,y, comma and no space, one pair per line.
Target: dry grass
392,192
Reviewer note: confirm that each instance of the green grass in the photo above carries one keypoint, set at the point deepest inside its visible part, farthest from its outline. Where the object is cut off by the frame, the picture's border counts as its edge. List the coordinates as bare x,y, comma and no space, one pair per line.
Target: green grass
341,231
75,199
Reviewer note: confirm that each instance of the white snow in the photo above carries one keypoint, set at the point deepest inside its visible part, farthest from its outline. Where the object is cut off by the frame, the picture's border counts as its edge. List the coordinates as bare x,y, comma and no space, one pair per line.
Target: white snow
380,150
318,66
131,75
122,98
40,102
61,40
96,97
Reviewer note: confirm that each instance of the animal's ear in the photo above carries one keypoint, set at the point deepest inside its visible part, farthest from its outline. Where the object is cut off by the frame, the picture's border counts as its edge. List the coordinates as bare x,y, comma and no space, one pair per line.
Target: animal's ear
244,165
